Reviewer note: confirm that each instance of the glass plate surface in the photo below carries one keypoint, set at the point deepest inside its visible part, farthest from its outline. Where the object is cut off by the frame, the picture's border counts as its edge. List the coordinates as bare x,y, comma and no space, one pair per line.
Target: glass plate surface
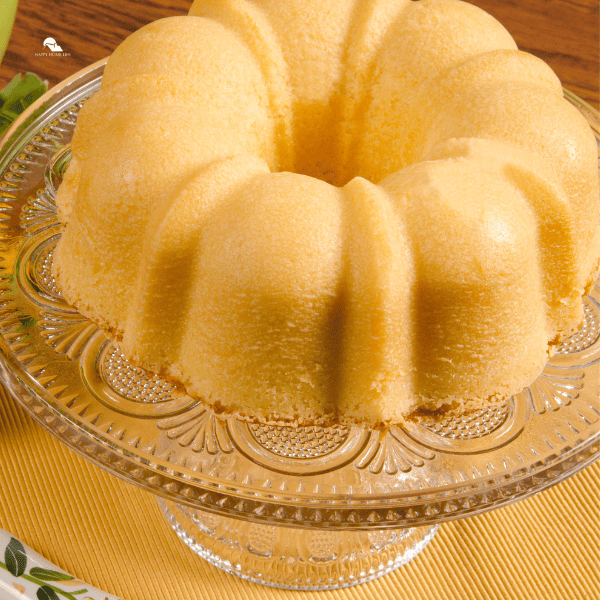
77,385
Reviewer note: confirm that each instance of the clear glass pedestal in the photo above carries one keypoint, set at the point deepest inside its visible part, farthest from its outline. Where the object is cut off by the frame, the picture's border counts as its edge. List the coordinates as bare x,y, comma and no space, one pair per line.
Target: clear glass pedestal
294,558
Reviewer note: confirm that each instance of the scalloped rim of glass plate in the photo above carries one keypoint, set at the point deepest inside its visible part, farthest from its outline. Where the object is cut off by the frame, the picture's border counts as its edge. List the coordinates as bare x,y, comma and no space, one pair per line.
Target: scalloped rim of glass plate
218,497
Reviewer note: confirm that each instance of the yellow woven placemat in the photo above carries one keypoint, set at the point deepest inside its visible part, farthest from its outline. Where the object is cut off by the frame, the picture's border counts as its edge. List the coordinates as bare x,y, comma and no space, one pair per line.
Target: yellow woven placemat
113,536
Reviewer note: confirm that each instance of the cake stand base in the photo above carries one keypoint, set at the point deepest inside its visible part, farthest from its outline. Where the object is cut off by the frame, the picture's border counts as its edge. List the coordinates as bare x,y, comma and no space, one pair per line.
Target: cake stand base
291,558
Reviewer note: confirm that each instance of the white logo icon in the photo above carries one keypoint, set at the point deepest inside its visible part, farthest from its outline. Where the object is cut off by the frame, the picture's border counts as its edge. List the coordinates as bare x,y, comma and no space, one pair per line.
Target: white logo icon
52,45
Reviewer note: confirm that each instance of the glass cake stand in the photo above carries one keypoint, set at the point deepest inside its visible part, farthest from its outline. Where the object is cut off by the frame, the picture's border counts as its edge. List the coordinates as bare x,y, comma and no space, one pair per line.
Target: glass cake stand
293,507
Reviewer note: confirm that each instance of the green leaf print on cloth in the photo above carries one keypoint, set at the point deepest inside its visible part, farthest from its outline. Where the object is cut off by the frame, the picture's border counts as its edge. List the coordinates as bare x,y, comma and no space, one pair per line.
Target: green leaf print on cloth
15,558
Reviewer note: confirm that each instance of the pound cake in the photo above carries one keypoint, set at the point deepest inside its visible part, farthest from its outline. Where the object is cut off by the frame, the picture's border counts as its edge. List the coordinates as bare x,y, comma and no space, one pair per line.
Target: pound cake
331,210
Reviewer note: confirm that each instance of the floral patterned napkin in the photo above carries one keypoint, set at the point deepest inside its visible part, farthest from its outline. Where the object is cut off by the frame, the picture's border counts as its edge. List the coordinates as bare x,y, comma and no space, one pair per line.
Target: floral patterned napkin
26,575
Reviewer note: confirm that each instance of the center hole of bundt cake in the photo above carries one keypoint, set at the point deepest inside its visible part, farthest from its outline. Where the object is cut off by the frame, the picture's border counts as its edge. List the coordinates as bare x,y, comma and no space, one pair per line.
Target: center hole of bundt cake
324,146
316,157
320,148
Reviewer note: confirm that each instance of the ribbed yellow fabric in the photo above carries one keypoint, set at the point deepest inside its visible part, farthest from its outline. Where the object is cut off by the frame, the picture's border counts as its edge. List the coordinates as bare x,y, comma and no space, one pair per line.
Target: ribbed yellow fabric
112,535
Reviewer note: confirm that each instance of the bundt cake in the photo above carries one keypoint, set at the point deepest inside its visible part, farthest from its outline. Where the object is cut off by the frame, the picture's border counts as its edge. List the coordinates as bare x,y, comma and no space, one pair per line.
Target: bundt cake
321,210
